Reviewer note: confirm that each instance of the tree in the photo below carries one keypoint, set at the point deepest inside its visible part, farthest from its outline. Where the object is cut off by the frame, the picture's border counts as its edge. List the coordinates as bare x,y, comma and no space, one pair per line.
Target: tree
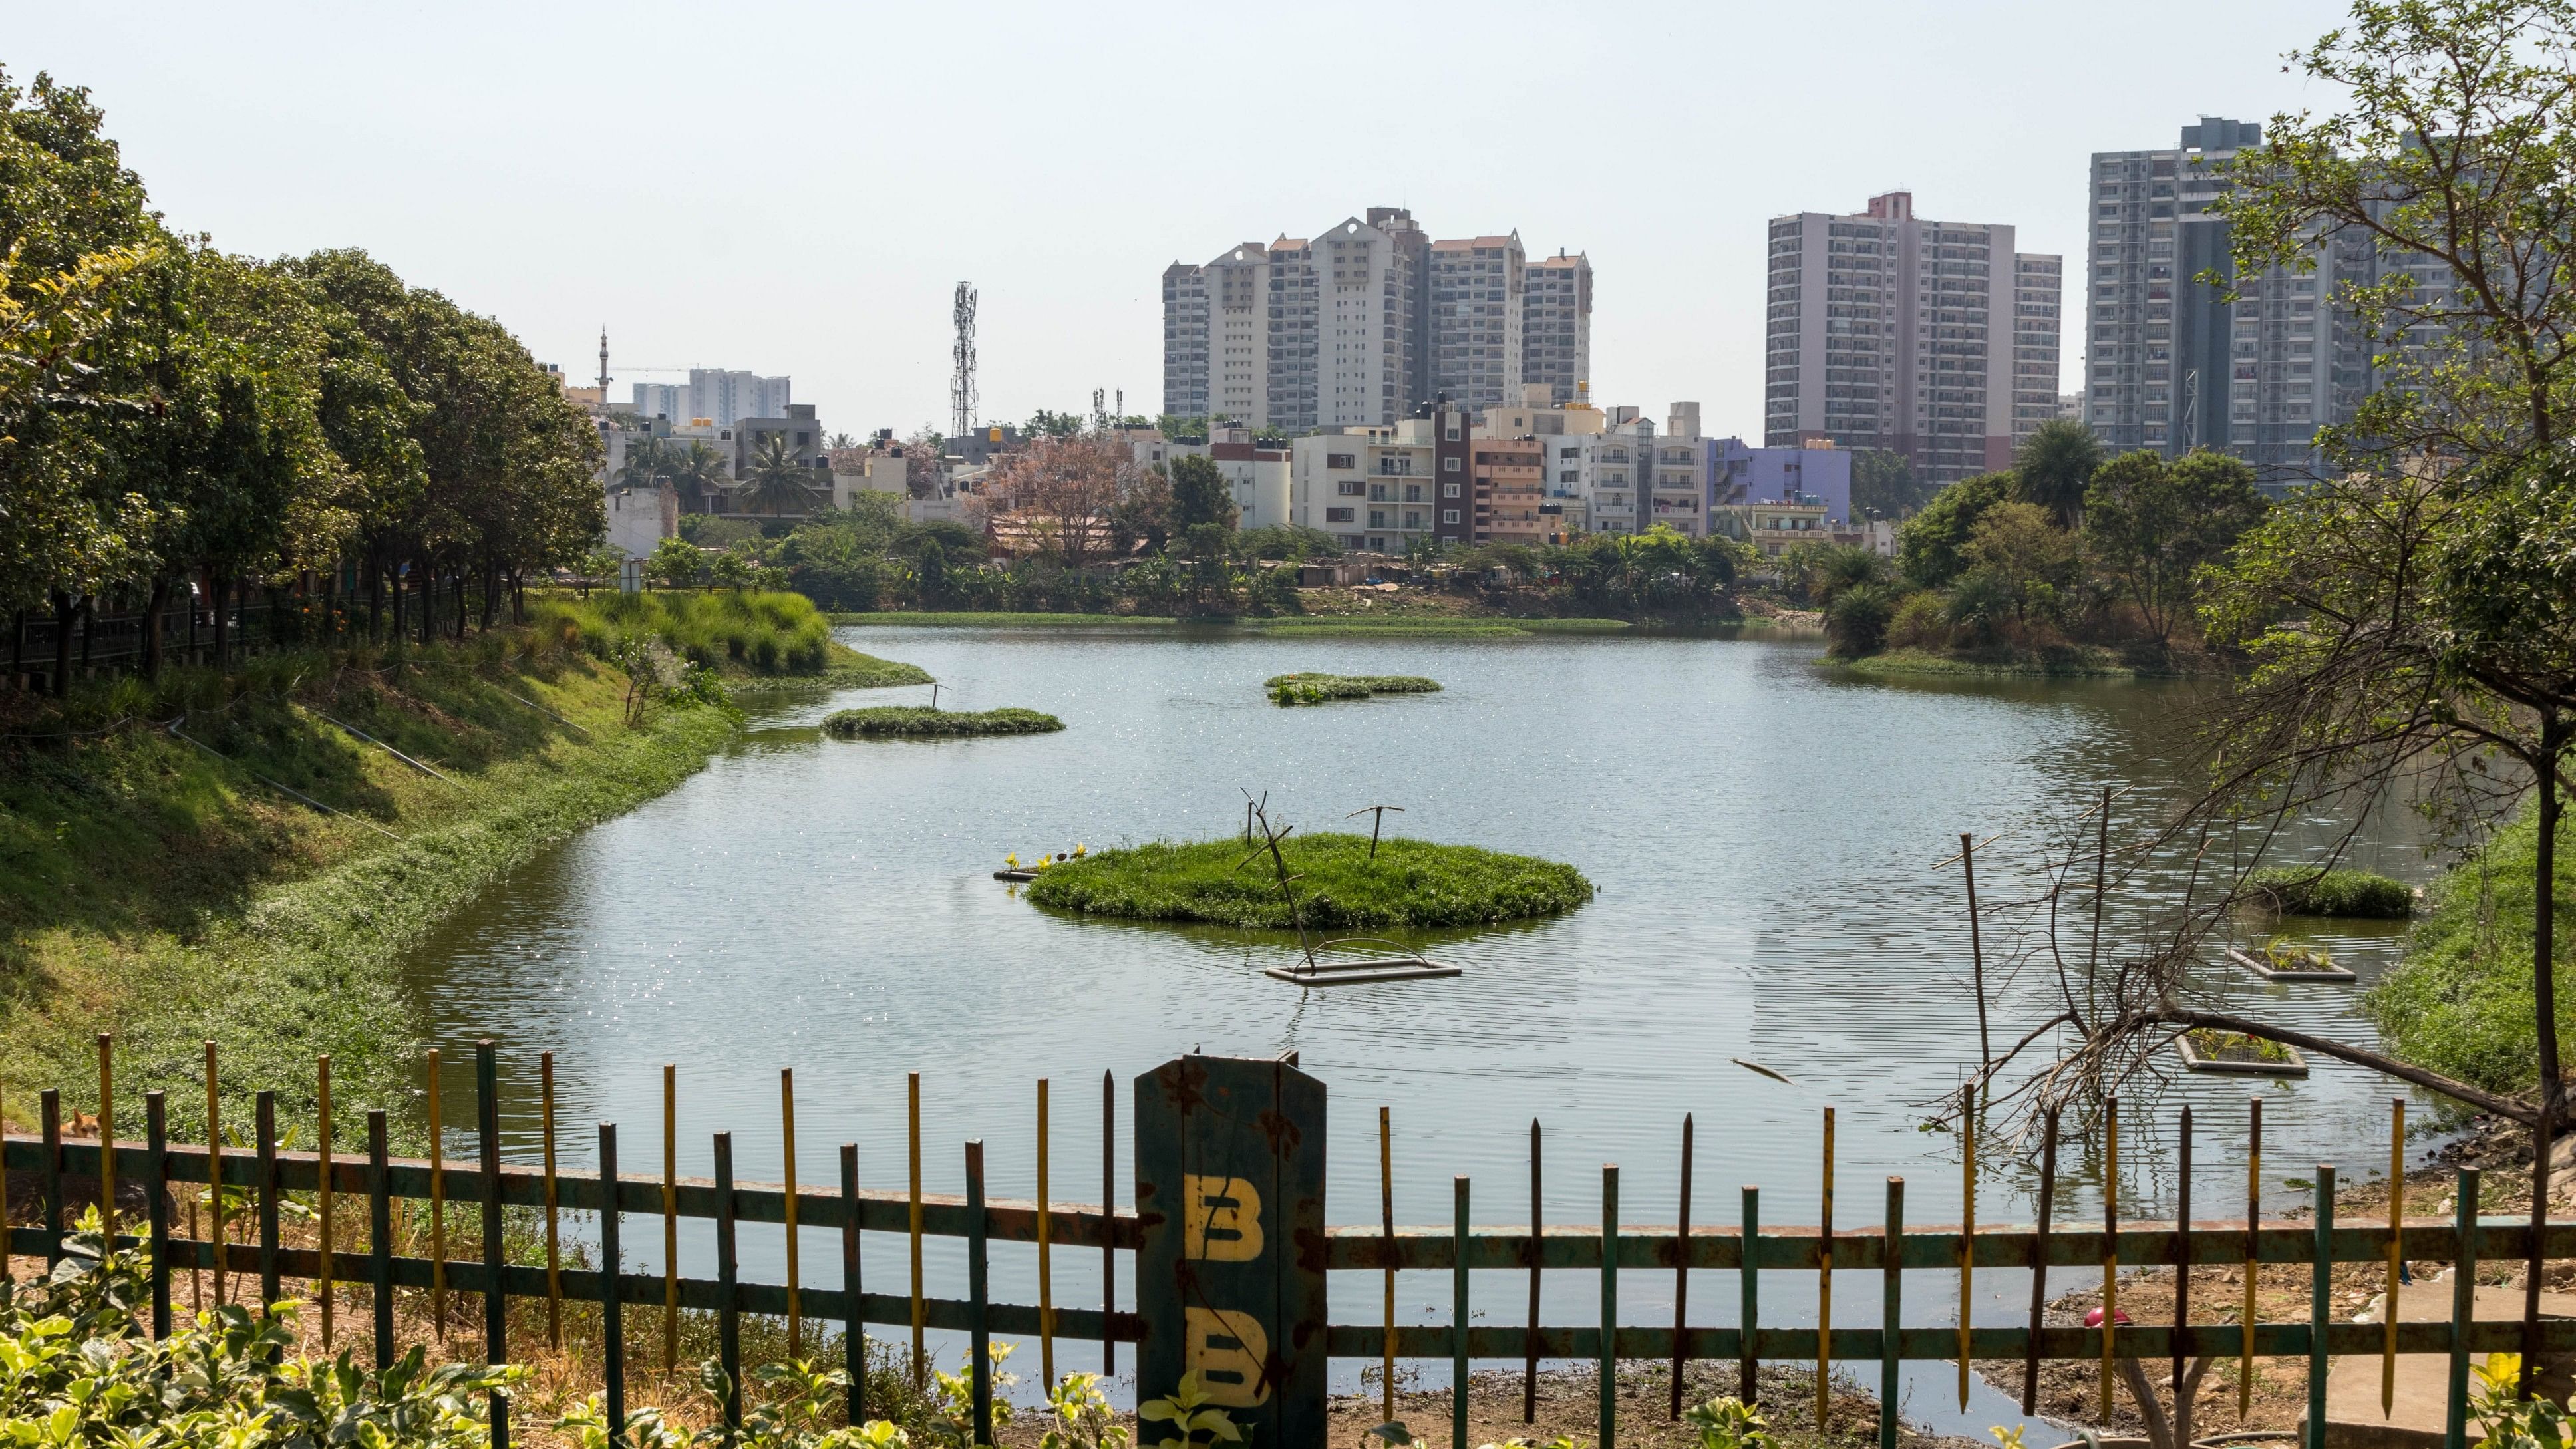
2022,548
2154,525
1046,424
2052,467
1931,547
731,569
2441,190
1816,573
1856,621
1883,483
777,480
674,564
1200,493
699,472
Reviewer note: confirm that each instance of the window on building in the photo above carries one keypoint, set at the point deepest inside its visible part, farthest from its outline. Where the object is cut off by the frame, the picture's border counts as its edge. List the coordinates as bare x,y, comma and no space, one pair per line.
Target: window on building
1341,460
1448,490
1338,515
1448,515
1450,464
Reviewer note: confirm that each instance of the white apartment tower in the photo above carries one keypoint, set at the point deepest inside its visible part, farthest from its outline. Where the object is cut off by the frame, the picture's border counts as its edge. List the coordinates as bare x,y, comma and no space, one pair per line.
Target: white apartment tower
1931,339
1556,325
2172,365
1367,322
721,397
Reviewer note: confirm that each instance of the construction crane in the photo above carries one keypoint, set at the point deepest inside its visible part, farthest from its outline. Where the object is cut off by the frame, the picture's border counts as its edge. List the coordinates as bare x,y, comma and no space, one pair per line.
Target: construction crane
961,383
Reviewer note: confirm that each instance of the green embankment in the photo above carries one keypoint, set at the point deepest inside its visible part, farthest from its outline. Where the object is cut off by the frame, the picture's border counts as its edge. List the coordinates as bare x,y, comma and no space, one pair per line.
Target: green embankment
905,722
998,620
170,892
1287,625
2461,1001
1338,887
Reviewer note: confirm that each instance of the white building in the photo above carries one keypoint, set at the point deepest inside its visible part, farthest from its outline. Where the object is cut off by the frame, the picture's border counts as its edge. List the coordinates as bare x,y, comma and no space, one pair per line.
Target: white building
1935,340
1376,488
718,396
1478,293
1556,325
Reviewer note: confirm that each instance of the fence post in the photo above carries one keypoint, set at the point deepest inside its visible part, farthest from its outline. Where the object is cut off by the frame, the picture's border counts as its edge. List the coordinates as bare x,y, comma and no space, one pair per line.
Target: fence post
1892,1318
2321,1305
380,1239
264,1122
1748,1388
1609,1425
49,1107
612,1307
728,1312
854,1319
496,1298
156,1186
1229,1194
2464,1303
979,1335
1458,1316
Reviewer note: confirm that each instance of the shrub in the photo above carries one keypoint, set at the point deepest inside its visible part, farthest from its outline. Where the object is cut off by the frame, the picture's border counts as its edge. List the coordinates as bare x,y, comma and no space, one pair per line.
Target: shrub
1921,622
1857,619
766,633
1323,688
2300,891
1409,883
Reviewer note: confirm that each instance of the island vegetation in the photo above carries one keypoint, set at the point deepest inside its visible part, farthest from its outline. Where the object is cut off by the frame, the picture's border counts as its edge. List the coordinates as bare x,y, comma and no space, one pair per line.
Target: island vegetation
919,722
1325,688
1338,885
2316,891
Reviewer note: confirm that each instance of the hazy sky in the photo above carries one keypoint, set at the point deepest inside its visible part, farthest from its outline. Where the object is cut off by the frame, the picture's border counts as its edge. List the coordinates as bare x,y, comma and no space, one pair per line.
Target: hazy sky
796,188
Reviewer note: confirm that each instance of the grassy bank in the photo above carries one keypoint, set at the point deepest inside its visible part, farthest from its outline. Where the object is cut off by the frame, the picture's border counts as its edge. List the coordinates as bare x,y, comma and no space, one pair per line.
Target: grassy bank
1410,883
2461,1000
901,722
2065,661
1010,621
1428,626
162,886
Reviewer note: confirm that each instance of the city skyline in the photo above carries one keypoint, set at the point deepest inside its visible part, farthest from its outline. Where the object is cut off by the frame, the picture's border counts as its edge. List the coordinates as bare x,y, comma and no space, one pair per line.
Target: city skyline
839,277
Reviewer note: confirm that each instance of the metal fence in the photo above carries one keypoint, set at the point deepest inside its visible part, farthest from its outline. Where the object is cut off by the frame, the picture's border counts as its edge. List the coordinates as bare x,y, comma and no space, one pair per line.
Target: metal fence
371,1182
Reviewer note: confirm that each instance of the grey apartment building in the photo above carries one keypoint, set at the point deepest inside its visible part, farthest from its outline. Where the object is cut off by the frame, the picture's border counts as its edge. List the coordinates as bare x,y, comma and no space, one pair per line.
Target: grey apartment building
1932,339
2171,364
1367,321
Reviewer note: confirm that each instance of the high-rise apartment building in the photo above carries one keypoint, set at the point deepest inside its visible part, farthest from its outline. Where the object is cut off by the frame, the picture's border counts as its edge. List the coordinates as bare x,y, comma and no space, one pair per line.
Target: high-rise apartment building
722,398
2172,364
1366,322
1927,338
1556,325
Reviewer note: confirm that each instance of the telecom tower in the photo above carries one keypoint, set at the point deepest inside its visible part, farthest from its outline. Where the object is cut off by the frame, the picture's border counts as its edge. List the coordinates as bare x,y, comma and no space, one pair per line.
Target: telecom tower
961,384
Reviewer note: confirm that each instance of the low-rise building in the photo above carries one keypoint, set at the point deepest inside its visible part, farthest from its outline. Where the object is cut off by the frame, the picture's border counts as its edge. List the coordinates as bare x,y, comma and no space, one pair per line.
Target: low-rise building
1376,488
1508,489
1774,528
1741,473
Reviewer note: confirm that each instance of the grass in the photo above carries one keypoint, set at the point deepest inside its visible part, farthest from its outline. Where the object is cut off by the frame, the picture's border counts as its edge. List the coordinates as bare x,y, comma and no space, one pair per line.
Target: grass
998,620
735,633
1411,883
1391,629
1321,688
2235,1046
152,889
2299,891
2292,959
844,668
908,722
2069,663
2460,1002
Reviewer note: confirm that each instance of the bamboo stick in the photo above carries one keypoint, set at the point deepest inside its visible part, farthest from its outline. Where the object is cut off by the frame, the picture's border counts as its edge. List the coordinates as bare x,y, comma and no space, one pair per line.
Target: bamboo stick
2396,1255
1681,1274
1046,1258
670,1219
1967,1224
2039,1263
1825,1283
554,1256
795,1280
920,1323
214,1173
2253,1224
107,1135
437,1205
1529,1366
2110,1244
1386,1206
322,1191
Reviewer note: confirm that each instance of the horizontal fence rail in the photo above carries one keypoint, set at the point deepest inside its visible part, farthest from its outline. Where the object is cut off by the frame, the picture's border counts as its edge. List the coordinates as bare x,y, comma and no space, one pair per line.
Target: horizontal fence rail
479,1192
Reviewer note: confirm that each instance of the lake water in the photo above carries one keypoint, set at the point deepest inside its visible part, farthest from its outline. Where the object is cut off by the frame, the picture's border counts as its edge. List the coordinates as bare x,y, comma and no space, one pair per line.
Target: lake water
1764,835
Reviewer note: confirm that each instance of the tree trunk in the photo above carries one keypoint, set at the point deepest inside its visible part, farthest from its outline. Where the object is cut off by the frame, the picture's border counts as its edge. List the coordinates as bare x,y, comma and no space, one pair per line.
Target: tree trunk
66,609
219,590
2544,1005
153,605
375,596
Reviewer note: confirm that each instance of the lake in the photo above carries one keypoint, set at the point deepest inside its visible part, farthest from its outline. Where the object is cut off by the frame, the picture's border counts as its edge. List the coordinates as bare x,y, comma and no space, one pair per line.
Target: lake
1766,837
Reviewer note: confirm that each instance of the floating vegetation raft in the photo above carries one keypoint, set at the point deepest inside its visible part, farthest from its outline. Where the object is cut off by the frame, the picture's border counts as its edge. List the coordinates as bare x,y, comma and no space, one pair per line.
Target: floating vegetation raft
909,722
1411,883
2298,891
1324,688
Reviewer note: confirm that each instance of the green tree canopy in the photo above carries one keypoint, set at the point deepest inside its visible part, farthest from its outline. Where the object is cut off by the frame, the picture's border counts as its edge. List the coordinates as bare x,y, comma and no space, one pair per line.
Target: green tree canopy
1931,547
2153,525
2053,466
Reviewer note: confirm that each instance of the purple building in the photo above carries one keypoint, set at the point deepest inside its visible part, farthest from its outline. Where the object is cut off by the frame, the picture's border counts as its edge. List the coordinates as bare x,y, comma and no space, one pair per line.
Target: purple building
1739,473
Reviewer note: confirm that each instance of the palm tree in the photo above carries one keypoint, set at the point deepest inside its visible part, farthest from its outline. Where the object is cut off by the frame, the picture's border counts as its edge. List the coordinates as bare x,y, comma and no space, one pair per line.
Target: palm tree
698,471
648,462
2054,465
777,479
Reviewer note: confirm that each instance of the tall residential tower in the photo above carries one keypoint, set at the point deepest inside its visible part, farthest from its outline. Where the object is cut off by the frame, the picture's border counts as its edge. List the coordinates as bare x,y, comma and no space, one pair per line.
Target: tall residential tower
1931,339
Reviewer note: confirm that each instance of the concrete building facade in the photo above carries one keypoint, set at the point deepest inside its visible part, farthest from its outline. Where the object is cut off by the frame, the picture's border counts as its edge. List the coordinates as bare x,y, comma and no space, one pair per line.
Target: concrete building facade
1556,326
2170,364
1927,338
719,396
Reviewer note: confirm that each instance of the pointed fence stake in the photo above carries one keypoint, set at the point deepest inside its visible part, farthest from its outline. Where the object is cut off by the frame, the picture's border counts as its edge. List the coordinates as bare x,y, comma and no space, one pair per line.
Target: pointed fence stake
1825,1284
1459,1317
2039,1263
787,1148
2253,1256
670,1219
1046,1255
1681,1275
2396,1255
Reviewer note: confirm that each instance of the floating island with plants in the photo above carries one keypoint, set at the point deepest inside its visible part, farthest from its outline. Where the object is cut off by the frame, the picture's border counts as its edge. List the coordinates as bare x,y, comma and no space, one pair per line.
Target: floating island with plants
1339,884
2233,1053
2306,891
2281,961
912,722
1325,688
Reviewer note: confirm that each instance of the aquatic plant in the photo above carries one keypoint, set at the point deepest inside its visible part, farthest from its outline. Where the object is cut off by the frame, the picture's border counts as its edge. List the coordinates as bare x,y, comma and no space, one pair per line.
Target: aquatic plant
896,721
1416,883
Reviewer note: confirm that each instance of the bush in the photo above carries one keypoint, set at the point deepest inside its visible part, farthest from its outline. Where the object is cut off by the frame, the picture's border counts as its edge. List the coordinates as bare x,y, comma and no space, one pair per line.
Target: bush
1856,621
763,633
2299,891
2460,1002
1921,622
895,721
